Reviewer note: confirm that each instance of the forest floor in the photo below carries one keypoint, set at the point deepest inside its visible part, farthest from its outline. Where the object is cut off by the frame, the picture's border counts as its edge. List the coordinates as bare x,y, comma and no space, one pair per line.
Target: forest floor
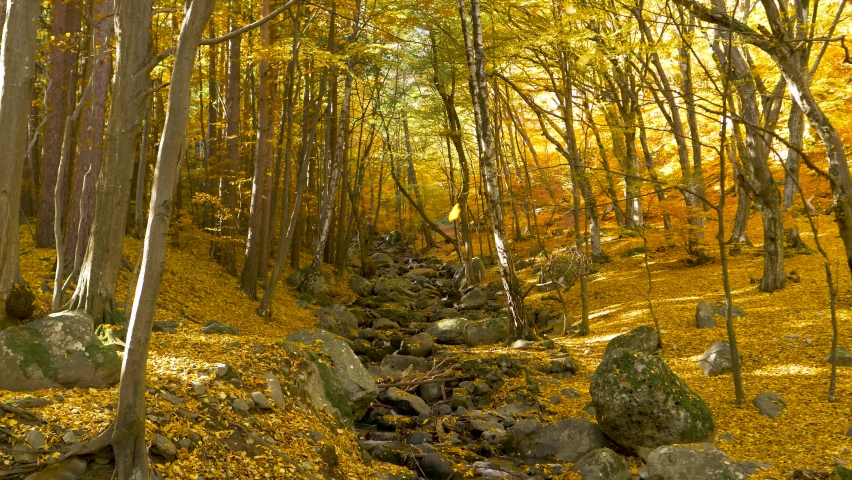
784,337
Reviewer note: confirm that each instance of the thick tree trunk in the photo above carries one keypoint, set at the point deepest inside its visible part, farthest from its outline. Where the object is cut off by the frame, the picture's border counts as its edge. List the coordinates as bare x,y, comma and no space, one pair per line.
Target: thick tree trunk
95,291
520,321
131,453
90,137
17,67
255,241
62,79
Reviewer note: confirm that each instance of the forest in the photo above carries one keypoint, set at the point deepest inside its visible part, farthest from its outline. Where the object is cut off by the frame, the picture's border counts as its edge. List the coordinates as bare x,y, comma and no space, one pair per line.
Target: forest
444,239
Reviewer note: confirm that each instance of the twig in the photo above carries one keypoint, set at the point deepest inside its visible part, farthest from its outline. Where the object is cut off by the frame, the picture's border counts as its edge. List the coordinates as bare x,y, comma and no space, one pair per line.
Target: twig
418,382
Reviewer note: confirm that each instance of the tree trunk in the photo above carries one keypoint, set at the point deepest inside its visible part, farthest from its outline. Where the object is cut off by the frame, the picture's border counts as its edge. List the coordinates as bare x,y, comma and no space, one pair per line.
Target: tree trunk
255,240
128,439
228,258
412,180
90,137
95,291
17,67
520,321
61,72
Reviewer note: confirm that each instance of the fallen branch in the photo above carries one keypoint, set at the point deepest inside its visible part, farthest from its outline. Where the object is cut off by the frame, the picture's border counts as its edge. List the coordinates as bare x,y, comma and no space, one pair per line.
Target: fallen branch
419,382
23,413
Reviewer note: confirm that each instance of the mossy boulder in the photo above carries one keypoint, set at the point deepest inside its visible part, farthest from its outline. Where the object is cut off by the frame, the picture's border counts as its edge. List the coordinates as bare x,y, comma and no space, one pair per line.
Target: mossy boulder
58,351
640,402
317,380
602,464
641,339
696,462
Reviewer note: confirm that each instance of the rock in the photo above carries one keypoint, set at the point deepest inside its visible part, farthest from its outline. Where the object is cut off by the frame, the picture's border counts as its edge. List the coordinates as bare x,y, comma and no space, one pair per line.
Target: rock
705,315
752,468
563,365
570,392
382,260
35,438
72,468
318,383
717,359
602,464
275,391
403,402
486,332
695,462
171,398
396,364
338,321
58,351
844,357
23,454
474,299
385,324
69,437
461,399
419,345
260,401
522,264
198,387
641,339
436,466
219,328
449,331
226,373
394,238
165,327
769,404
360,285
164,447
295,279
565,441
241,407
430,392
358,385
640,402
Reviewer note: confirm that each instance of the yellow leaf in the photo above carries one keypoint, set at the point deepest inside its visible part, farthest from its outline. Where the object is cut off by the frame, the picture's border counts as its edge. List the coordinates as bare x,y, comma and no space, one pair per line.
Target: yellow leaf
454,213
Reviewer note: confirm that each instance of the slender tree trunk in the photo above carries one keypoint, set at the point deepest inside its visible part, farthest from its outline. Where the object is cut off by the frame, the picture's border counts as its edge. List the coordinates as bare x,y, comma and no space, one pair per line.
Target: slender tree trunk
520,321
61,73
255,241
131,452
95,291
230,173
17,68
412,180
90,136
141,173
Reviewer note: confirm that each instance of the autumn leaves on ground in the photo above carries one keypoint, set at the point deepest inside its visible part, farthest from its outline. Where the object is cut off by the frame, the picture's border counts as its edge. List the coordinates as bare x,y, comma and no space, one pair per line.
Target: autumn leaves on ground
784,337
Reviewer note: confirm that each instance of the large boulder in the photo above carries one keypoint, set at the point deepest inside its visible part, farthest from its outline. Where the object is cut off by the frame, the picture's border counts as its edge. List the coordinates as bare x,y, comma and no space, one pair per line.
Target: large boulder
419,345
382,259
717,359
449,331
640,402
486,332
358,385
705,315
475,299
641,339
695,462
338,321
58,351
319,383
565,441
602,464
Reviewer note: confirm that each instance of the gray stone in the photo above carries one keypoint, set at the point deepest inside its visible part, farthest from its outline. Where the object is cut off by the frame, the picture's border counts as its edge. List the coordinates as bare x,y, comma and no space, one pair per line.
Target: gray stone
72,468
58,351
430,392
171,398
382,260
705,315
165,327
717,359
640,402
563,365
21,453
219,328
461,399
449,331
394,238
396,364
769,404
565,441
474,299
241,406
385,324
486,332
275,391
695,462
419,345
35,438
69,437
358,385
403,402
436,466
641,339
198,387
338,321
164,447
260,401
602,464
844,357
360,285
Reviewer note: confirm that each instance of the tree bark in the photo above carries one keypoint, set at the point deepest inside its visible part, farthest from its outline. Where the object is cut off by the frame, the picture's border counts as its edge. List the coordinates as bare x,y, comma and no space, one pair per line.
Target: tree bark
128,438
95,291
227,257
90,136
17,67
61,72
520,325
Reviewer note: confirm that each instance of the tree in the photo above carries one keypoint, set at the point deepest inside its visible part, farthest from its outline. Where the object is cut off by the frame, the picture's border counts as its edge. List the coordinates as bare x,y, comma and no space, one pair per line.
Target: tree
520,321
128,438
17,66
95,292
